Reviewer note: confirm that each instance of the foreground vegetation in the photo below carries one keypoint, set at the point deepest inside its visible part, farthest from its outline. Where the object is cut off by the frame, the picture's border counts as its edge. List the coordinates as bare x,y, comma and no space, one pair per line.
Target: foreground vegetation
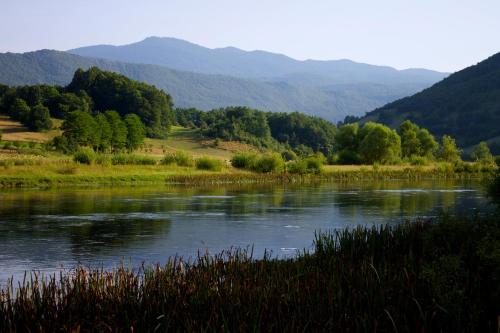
423,276
36,168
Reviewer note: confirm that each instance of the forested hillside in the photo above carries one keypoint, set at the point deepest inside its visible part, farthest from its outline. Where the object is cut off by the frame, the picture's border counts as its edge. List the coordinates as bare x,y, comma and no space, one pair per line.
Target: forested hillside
465,105
206,92
92,91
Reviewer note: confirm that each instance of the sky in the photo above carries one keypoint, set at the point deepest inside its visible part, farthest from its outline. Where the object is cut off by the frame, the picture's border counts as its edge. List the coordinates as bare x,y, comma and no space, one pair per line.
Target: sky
445,35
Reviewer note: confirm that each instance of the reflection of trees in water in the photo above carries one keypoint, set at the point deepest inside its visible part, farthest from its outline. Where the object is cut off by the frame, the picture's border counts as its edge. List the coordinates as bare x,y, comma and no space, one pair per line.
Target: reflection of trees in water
22,212
117,233
400,198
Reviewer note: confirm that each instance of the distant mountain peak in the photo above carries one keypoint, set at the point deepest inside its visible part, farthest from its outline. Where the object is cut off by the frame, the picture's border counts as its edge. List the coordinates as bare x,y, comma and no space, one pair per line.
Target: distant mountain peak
183,55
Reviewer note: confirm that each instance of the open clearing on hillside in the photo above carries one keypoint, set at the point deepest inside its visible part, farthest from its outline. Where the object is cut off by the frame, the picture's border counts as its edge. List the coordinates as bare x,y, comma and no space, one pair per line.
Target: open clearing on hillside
189,140
14,131
179,139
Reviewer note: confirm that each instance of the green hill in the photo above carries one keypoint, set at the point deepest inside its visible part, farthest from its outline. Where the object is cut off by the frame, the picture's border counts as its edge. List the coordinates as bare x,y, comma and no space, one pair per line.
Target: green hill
466,105
205,91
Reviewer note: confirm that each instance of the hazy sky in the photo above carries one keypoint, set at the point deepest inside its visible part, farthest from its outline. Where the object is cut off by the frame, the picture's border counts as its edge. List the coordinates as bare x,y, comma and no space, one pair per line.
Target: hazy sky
445,35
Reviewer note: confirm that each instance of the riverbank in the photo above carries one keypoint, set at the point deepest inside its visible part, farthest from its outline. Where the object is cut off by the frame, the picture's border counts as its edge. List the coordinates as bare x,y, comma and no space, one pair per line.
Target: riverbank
436,275
64,172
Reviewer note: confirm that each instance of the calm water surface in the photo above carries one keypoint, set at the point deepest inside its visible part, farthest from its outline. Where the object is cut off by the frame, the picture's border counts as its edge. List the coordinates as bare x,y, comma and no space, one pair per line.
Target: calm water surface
46,230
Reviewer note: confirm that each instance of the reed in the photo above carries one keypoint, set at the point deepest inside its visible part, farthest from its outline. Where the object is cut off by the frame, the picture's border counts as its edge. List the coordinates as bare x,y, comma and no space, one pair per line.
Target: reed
422,276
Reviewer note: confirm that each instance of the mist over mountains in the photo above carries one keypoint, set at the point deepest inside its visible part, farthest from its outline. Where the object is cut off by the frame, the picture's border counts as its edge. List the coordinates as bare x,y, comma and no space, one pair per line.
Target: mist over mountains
206,78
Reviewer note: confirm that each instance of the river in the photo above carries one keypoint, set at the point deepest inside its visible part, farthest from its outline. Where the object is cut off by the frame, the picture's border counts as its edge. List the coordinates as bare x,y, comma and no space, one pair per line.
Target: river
50,230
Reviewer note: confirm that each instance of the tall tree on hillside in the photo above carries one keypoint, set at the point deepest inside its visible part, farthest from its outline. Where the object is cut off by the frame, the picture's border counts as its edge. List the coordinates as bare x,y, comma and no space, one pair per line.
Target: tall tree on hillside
135,131
379,144
449,151
347,144
416,141
40,118
481,153
79,130
19,110
118,130
428,144
104,133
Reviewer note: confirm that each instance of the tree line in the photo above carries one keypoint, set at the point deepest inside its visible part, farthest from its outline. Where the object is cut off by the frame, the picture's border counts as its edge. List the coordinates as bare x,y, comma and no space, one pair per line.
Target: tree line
280,131
349,143
92,91
104,132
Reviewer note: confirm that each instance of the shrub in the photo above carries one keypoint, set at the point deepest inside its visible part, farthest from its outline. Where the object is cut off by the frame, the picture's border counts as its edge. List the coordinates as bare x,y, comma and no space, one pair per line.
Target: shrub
180,158
85,156
271,162
418,160
497,160
131,159
207,163
314,164
289,155
244,160
297,167
103,159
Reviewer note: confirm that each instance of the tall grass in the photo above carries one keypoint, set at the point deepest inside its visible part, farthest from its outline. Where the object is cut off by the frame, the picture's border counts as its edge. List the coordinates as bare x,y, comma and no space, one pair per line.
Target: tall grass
180,158
132,159
210,164
439,276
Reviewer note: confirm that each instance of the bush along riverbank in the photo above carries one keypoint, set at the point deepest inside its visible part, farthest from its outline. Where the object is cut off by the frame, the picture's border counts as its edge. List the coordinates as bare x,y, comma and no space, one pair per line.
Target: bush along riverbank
440,276
126,169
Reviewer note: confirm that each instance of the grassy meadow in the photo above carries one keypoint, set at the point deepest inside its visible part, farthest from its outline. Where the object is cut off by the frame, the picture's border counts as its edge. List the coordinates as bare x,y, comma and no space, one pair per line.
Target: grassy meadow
24,162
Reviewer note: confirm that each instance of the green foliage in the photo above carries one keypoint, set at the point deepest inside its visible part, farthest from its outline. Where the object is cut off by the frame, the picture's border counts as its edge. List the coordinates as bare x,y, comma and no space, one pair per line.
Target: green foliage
94,90
118,130
131,159
180,158
419,160
465,105
245,160
296,129
449,151
104,133
40,118
111,91
416,141
208,163
304,166
79,130
379,144
135,131
481,153
68,102
85,155
289,155
270,162
347,144
269,130
239,124
19,110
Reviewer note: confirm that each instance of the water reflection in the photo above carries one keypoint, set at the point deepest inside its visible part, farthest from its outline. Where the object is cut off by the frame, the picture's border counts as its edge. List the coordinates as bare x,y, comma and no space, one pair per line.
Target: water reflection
44,230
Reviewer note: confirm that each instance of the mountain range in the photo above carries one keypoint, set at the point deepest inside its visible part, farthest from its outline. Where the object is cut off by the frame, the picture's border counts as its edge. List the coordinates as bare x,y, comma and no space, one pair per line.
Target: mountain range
206,78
